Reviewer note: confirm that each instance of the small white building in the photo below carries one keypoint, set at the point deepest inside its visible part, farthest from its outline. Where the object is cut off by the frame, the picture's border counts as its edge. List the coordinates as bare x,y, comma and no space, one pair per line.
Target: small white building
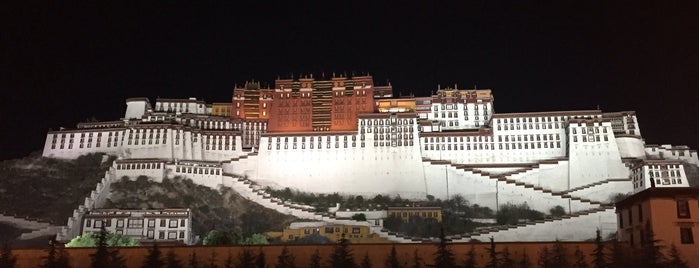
151,225
658,173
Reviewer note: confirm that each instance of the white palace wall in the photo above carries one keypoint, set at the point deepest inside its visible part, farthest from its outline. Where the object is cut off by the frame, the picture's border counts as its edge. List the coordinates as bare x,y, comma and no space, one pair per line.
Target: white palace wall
593,153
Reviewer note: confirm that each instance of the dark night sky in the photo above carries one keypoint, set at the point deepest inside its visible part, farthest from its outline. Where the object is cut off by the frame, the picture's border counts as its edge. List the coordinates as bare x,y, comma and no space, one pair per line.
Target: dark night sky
61,64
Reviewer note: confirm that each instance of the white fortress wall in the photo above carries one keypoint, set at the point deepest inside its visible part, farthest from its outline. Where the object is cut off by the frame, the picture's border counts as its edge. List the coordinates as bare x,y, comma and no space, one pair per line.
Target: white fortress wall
631,146
136,108
553,176
154,169
593,153
69,144
604,192
585,228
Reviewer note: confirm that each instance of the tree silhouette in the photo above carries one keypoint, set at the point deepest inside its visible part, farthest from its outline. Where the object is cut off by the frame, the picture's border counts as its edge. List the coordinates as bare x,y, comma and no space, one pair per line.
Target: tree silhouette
100,258
229,261
54,258
314,262
116,260
493,263
285,259
260,261
598,259
153,259
470,261
443,258
171,260
366,263
6,258
580,261
392,260
525,262
342,255
675,259
417,261
618,255
650,253
559,258
545,258
505,259
246,259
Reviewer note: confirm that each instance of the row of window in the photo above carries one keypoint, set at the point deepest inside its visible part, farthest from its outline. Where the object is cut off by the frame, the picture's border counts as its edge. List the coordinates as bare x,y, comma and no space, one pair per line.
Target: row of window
198,170
136,223
505,138
139,166
595,138
345,144
491,146
386,121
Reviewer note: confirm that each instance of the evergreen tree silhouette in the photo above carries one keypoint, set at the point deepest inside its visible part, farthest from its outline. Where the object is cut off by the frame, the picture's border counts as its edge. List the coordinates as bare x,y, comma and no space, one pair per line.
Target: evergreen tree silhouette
285,259
417,261
342,255
6,258
193,261
545,258
443,258
366,262
675,259
598,259
54,258
100,259
559,256
392,260
618,257
315,261
580,261
493,262
506,260
470,261
525,262
246,259
650,254
171,260
153,259
63,260
260,261
116,260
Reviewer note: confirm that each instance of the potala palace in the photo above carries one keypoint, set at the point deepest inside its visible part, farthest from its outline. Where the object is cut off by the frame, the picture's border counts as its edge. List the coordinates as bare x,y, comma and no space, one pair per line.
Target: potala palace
349,136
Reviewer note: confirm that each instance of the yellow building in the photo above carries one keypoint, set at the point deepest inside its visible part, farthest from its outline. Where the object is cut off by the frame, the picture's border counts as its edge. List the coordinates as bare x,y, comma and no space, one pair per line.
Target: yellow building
404,213
354,233
221,109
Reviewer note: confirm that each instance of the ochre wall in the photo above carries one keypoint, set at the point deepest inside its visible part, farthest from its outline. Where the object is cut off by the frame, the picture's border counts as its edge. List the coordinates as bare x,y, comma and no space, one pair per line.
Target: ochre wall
80,257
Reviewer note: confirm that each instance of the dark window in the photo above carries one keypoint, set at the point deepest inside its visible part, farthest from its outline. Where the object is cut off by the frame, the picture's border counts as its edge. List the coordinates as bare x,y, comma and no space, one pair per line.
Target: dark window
640,213
683,209
89,223
355,230
621,220
329,230
686,236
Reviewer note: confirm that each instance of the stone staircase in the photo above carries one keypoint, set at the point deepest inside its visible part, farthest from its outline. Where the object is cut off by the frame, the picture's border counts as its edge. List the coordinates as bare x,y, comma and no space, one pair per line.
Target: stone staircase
257,194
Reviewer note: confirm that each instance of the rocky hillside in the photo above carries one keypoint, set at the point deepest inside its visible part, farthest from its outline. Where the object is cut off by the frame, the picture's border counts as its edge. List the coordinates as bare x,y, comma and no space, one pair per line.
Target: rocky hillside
222,208
48,189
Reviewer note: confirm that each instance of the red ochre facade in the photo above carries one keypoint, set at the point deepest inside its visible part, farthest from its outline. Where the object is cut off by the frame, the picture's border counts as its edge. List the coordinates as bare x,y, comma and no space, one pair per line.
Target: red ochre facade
307,104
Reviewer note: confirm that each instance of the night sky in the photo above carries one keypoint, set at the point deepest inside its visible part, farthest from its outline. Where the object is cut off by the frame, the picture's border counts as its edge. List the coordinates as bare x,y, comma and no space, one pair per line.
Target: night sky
61,64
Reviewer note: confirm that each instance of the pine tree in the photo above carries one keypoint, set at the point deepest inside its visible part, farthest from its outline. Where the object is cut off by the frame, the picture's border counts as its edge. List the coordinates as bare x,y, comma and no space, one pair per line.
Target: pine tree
470,261
193,261
100,258
506,260
6,258
246,259
392,260
675,260
366,262
260,261
417,261
315,261
285,259
525,262
545,258
618,257
172,261
342,255
559,258
212,260
63,261
598,260
580,261
153,260
651,251
493,263
443,258
116,260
